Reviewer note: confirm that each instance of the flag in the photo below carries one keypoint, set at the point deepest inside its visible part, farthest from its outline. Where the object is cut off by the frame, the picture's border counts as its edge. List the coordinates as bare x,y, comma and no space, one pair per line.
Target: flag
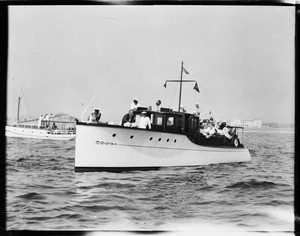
196,87
165,85
185,70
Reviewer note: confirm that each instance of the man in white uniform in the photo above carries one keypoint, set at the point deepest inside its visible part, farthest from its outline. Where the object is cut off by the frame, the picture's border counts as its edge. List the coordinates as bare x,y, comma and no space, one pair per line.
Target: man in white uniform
144,121
135,104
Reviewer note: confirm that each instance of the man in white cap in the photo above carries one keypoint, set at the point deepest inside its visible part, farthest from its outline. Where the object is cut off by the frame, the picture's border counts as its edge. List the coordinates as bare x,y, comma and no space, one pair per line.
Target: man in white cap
135,104
144,121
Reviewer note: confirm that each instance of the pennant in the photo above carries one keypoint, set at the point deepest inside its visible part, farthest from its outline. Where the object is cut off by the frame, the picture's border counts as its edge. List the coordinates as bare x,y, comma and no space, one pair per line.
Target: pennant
185,70
196,87
165,85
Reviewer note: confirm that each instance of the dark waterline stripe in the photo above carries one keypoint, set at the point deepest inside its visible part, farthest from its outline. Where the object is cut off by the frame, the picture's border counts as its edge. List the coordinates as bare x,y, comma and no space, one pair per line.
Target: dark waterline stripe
125,169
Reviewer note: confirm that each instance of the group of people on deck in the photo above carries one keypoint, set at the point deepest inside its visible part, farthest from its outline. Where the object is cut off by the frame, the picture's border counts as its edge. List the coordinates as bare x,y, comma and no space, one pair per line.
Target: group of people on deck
210,126
129,120
44,120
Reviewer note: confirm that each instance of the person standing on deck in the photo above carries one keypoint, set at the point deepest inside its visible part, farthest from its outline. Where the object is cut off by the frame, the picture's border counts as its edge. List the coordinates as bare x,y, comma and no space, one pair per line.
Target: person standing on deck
135,104
40,121
197,111
144,121
211,117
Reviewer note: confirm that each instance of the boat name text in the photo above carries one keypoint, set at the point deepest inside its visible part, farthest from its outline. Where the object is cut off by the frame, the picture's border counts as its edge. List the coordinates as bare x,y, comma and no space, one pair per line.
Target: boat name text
105,143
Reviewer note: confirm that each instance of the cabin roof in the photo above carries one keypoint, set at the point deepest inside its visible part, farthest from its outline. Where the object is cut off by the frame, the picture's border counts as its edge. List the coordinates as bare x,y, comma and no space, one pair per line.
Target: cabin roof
163,111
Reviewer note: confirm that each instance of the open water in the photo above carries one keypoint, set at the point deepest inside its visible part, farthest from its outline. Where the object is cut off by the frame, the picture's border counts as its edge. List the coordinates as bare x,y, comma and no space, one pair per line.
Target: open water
44,192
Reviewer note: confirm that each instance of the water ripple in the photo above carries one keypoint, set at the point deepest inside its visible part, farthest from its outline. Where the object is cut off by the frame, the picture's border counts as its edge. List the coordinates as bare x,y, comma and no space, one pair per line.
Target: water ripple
44,192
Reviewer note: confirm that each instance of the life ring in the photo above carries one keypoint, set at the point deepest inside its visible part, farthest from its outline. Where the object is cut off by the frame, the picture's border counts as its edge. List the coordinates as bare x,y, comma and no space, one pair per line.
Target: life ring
236,142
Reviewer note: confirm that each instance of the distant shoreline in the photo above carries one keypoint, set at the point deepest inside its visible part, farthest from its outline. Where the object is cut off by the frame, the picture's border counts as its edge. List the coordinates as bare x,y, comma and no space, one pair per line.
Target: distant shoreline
269,130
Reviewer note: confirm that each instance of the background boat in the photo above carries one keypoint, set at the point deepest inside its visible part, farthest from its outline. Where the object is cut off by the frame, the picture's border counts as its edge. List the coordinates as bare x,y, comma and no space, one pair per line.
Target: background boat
59,127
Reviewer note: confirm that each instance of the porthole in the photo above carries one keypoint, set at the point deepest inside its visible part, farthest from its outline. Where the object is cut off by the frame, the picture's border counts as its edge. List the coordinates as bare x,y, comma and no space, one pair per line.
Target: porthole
168,140
131,136
175,141
159,139
151,138
114,135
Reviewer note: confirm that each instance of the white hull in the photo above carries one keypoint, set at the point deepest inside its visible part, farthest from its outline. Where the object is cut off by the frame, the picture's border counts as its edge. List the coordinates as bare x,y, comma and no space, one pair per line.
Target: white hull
24,132
102,147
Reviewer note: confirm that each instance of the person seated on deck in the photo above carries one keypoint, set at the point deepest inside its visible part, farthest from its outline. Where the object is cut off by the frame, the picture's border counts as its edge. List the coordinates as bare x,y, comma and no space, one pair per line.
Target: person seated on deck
129,119
209,130
144,121
222,124
223,130
95,117
54,127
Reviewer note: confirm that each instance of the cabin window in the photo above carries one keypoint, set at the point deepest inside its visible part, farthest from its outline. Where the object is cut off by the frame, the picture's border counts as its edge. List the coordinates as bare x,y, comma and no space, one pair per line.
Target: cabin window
158,119
170,121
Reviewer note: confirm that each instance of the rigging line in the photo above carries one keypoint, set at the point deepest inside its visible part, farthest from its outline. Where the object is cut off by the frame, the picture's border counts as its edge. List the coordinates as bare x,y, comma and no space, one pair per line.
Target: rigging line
212,98
15,101
86,108
188,99
173,96
26,103
175,90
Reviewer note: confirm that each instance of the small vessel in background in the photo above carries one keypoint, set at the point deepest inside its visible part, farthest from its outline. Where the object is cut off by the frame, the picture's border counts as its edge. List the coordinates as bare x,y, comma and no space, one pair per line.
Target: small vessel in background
57,127
175,139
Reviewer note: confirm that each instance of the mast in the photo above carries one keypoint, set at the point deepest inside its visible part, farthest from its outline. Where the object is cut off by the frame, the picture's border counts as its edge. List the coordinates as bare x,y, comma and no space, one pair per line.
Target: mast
19,100
180,87
181,81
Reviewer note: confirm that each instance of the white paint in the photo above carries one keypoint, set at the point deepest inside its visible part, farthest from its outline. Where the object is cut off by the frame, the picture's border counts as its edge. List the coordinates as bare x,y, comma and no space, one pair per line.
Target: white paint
22,132
96,147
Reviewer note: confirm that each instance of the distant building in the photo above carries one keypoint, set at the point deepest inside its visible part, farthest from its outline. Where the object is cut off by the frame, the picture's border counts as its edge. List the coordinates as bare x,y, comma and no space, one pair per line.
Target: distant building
246,123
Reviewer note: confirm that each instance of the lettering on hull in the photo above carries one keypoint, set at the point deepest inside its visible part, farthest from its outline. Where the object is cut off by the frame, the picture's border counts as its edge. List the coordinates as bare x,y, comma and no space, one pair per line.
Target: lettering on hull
104,143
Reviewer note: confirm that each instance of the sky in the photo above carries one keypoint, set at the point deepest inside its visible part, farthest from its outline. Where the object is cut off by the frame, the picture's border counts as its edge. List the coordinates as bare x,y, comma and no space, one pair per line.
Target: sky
242,58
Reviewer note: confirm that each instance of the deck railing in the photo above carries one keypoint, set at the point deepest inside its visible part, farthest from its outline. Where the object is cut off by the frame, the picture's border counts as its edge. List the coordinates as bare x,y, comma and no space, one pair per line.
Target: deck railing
52,131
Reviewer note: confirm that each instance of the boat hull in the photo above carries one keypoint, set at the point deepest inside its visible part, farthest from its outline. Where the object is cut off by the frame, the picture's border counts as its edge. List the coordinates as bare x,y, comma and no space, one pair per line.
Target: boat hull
104,147
23,132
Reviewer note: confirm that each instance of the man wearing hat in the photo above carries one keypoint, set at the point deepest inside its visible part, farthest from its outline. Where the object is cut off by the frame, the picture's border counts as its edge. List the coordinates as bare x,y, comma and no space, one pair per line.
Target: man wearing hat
95,117
129,119
135,104
144,121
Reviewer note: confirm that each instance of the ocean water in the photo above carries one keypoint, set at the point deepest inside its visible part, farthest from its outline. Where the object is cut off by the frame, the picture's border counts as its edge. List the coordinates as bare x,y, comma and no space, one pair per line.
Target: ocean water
44,192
